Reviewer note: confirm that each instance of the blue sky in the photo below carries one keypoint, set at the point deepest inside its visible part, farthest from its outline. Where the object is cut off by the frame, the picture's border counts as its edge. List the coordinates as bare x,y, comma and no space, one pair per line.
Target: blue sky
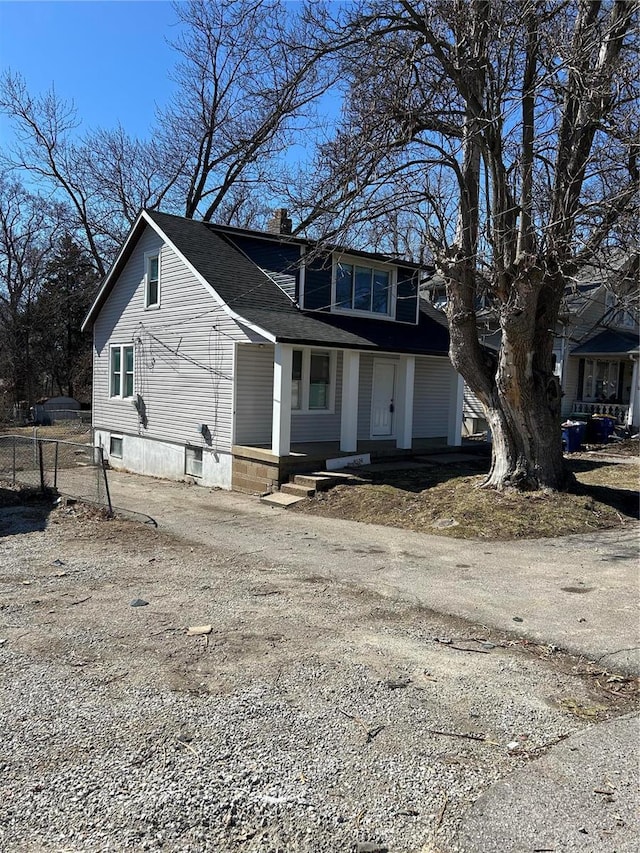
110,58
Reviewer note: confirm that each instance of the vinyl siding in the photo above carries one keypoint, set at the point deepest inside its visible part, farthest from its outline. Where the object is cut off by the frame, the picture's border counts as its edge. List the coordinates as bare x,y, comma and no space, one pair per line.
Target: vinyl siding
183,354
433,380
317,284
254,394
254,402
407,301
472,407
279,260
364,396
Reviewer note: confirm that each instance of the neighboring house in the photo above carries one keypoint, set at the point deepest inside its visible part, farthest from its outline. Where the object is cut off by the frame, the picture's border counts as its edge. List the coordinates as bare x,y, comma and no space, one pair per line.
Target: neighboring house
596,345
237,356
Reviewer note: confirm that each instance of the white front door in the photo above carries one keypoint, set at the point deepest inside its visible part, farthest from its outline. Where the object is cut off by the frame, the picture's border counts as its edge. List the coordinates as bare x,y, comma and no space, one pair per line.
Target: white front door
382,398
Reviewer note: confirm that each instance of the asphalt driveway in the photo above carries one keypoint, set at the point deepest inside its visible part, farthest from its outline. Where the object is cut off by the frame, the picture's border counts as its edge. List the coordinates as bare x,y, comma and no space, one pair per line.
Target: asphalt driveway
579,593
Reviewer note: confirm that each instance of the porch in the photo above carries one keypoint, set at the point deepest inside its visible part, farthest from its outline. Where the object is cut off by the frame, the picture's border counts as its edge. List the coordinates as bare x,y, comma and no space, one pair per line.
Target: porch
257,470
622,412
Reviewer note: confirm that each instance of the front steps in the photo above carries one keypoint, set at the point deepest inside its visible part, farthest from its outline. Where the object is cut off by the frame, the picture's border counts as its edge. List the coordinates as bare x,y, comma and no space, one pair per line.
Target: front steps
306,486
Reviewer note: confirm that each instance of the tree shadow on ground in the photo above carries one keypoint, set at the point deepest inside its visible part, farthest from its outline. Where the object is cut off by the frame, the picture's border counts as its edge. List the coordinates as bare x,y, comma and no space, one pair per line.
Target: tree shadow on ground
624,501
580,466
23,510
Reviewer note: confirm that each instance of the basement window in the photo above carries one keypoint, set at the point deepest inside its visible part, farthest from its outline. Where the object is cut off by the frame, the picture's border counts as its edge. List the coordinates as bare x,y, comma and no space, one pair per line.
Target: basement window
115,446
193,461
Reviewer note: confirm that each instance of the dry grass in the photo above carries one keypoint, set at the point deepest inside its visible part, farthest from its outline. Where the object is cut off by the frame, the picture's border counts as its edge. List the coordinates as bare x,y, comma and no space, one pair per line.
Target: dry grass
446,499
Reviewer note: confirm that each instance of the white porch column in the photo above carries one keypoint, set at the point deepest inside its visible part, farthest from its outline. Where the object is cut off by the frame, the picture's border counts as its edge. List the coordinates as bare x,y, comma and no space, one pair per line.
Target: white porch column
456,403
632,414
349,401
281,425
404,401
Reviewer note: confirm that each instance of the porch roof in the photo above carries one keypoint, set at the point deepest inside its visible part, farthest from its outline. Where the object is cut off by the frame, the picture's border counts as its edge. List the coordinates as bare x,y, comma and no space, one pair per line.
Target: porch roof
293,326
609,342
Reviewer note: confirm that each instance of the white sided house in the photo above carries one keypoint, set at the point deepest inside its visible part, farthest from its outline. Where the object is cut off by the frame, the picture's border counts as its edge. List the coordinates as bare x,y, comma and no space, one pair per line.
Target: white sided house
236,357
597,346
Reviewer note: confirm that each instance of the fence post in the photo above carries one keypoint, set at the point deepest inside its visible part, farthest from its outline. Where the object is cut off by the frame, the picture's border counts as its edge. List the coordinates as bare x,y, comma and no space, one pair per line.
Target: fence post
55,466
15,441
106,481
41,460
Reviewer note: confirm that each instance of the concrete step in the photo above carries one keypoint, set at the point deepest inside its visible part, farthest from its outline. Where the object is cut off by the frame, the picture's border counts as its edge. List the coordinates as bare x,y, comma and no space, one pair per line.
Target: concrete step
317,482
336,477
298,490
281,500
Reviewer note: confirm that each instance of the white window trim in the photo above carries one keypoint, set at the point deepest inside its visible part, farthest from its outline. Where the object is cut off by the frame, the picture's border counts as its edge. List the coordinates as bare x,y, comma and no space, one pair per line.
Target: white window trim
120,395
118,438
365,262
153,306
588,385
306,380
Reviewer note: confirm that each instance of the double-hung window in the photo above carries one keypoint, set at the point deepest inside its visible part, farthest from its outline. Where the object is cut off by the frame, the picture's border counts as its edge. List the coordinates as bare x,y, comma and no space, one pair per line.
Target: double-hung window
121,371
312,381
152,280
363,288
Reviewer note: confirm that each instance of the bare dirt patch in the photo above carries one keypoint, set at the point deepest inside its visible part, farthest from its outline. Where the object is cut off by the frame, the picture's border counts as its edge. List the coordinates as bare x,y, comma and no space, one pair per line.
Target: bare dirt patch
312,717
446,499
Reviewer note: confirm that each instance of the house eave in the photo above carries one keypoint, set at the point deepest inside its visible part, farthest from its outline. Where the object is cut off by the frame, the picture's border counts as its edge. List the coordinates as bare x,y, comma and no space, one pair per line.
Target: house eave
122,258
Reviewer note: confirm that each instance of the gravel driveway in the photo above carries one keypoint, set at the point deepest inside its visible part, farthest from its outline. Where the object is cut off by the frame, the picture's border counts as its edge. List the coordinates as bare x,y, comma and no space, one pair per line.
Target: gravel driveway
314,716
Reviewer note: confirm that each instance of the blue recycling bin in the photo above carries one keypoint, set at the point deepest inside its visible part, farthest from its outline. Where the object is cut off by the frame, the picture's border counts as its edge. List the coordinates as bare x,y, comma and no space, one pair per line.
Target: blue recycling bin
571,437
601,427
582,431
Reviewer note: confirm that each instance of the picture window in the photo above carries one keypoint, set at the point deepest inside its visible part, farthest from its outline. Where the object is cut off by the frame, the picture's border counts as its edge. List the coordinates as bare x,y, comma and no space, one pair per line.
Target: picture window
363,288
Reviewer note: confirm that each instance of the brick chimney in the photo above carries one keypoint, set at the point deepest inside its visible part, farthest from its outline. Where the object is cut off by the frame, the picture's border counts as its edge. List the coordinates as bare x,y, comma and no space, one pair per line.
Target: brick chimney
279,222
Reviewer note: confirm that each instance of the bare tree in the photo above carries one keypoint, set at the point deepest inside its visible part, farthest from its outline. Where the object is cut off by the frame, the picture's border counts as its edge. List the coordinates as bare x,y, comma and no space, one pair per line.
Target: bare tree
510,129
28,229
249,73
246,80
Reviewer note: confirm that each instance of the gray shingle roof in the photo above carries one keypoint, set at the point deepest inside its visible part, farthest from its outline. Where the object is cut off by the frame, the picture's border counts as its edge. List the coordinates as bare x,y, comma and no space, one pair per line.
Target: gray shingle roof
255,297
609,342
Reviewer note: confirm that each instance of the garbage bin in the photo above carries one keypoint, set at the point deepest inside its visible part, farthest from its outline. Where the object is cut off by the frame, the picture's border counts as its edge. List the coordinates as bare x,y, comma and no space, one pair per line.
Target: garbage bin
582,431
571,436
600,428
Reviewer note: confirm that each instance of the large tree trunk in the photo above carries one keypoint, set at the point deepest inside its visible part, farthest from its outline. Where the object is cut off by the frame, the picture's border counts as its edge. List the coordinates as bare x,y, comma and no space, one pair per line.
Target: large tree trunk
518,390
523,414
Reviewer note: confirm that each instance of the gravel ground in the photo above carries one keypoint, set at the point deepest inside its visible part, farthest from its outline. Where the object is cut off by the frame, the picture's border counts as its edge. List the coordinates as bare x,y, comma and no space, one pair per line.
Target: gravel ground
314,716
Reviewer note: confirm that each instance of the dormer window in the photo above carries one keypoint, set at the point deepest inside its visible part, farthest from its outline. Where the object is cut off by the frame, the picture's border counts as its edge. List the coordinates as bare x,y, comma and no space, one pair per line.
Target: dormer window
152,281
617,314
363,288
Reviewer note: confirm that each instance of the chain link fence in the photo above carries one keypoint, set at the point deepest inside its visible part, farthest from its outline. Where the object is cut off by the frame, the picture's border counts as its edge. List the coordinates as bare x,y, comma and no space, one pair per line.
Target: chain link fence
67,467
